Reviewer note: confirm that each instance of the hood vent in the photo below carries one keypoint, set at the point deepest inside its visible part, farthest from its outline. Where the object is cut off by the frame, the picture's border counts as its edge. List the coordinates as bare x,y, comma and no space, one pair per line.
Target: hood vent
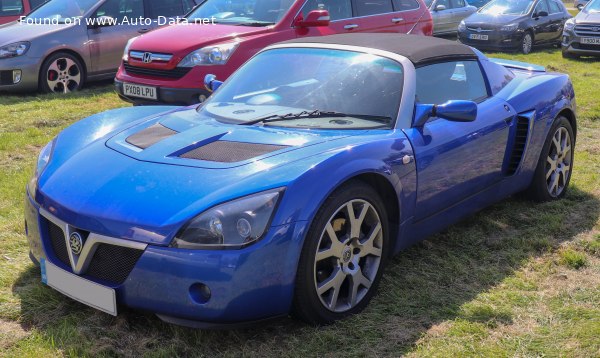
230,152
149,136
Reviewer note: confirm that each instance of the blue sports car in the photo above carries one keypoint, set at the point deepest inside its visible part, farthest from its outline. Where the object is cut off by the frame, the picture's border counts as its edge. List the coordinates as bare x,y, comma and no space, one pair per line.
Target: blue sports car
289,189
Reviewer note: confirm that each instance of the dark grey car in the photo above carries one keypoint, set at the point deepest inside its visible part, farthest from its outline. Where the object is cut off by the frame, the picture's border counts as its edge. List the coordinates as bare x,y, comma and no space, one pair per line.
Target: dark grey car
64,43
447,14
581,35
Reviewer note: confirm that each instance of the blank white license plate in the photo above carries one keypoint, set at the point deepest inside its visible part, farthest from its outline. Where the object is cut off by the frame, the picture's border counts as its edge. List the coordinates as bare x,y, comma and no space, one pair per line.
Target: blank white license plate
78,288
591,40
129,89
478,37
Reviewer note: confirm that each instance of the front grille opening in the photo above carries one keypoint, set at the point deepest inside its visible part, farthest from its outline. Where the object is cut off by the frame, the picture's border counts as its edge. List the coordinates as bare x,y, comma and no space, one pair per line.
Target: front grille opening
176,73
150,136
57,241
113,263
230,152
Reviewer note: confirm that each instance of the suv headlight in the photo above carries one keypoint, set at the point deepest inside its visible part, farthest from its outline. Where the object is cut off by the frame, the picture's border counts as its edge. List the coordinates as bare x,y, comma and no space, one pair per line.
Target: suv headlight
42,163
210,55
462,26
232,225
14,50
509,28
569,24
126,51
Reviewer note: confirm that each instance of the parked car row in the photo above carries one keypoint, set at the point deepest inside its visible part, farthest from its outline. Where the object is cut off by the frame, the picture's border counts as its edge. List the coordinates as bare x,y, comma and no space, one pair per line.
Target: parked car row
167,65
12,10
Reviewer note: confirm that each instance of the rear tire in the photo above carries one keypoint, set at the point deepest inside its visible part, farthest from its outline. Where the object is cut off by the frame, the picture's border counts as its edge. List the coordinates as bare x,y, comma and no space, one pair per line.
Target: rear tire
61,73
343,257
555,165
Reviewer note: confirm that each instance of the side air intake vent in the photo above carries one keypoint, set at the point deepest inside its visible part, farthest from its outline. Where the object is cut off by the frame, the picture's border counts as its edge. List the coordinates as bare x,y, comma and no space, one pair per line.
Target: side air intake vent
230,152
149,136
521,133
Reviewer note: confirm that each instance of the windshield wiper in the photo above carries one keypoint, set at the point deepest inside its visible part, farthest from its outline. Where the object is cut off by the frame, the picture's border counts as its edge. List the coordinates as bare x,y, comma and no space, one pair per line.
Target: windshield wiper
309,114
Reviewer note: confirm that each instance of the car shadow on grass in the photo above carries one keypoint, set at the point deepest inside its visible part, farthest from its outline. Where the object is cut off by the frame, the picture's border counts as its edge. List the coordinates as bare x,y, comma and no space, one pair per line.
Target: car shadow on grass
97,87
424,286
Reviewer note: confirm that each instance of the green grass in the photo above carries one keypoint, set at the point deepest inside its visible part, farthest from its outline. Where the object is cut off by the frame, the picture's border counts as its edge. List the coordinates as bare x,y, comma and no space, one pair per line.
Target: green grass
517,279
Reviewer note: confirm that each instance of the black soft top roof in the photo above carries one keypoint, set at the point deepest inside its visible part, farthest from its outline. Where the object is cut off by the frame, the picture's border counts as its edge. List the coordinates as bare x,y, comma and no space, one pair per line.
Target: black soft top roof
418,49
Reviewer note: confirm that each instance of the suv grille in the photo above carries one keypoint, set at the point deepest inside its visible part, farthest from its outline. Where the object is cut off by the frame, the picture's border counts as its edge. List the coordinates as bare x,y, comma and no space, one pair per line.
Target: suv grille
588,30
176,73
110,263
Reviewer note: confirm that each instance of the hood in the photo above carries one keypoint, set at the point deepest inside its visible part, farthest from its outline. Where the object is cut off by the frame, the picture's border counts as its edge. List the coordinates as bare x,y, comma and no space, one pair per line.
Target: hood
115,188
182,39
486,21
583,17
16,31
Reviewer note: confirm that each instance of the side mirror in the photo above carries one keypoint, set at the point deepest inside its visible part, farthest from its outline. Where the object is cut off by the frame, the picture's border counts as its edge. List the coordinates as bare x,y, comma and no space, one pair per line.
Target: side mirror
315,18
211,83
456,111
102,21
542,14
440,8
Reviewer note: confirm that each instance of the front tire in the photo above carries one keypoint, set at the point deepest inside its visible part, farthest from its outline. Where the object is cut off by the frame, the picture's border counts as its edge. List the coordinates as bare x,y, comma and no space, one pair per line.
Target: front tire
343,256
569,55
553,172
61,73
526,43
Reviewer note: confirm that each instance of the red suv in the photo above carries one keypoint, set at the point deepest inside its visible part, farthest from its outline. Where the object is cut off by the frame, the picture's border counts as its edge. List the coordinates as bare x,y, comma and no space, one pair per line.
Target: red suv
11,10
168,65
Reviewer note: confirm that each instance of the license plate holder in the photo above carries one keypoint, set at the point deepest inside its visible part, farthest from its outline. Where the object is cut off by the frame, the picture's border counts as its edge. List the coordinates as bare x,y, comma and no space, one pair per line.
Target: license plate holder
78,288
590,40
478,37
139,91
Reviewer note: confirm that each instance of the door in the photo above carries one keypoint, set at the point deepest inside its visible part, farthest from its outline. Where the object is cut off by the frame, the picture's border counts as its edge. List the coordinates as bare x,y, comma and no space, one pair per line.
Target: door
557,20
542,29
345,18
108,42
457,159
407,13
460,10
442,16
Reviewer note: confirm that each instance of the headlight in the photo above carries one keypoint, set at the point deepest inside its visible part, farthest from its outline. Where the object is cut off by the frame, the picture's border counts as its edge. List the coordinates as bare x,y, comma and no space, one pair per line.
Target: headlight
126,51
42,163
462,26
231,225
509,28
570,24
14,50
210,55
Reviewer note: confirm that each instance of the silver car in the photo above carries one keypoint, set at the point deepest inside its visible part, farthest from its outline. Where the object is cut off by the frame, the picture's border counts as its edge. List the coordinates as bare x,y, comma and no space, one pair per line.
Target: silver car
447,14
64,43
581,34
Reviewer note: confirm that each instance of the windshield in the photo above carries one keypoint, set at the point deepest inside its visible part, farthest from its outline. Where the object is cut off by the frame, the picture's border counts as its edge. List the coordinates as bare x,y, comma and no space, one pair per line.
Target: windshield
507,7
60,10
244,12
592,6
363,90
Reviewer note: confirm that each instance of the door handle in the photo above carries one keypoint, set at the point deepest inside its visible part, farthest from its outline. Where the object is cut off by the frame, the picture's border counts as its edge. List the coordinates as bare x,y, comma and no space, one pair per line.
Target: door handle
350,27
397,20
143,31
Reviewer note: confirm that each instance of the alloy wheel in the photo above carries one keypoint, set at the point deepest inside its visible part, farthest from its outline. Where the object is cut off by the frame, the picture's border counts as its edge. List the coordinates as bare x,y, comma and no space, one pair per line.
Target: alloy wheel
348,255
558,162
63,75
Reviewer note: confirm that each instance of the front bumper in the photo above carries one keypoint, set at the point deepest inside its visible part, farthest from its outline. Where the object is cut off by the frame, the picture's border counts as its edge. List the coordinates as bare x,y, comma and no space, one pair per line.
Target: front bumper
497,40
571,44
177,96
250,284
30,69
